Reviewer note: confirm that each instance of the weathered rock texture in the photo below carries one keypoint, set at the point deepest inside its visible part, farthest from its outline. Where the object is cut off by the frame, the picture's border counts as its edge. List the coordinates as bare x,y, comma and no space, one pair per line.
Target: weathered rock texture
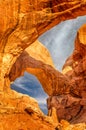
67,90
13,104
21,112
52,80
77,71
72,106
22,21
39,52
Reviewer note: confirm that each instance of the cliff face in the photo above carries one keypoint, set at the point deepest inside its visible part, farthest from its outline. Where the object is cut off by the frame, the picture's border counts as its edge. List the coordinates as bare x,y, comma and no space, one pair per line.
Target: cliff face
22,21
18,111
66,91
72,106
75,69
22,110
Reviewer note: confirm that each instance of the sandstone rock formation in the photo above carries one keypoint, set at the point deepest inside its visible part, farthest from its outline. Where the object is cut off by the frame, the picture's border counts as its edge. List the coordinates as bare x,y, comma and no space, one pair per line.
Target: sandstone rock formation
72,106
21,112
77,71
39,52
22,21
67,90
22,108
47,75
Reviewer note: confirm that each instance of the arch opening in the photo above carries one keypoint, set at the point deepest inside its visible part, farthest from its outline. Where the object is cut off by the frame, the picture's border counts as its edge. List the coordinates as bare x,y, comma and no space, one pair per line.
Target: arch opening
66,43
29,84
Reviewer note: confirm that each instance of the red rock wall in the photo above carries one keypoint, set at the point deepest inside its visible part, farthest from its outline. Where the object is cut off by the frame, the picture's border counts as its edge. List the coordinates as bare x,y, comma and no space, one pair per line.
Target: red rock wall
72,107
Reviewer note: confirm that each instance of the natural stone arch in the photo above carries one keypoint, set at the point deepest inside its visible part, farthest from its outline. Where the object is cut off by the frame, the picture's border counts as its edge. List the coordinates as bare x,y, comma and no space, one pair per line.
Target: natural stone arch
66,91
26,21
53,81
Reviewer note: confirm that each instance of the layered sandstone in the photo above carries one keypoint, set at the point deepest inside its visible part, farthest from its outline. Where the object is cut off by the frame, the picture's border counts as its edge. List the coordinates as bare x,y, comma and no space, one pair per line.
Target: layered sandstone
77,71
21,112
39,52
67,90
28,109
53,81
22,21
72,106
77,64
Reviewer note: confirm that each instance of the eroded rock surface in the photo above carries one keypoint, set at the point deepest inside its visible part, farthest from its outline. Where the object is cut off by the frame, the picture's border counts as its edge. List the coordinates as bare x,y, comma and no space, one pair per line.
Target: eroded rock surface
72,106
39,52
22,21
53,81
21,112
67,90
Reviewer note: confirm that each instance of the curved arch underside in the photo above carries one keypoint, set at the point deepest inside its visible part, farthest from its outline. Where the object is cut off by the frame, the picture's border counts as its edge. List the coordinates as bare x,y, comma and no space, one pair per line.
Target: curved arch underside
23,21
53,81
67,91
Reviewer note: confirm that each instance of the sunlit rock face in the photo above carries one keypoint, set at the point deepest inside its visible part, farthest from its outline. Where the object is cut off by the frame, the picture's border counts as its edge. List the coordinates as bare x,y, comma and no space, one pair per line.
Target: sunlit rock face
22,22
28,84
66,91
40,52
64,34
19,111
53,81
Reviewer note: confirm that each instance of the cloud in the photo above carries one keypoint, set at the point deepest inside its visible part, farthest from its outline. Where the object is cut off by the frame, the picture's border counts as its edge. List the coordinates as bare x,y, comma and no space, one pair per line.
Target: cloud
60,40
43,104
21,86
28,84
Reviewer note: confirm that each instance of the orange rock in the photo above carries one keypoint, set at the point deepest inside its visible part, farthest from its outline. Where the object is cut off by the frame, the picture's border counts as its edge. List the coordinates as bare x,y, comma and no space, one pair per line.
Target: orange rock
53,81
39,52
18,111
77,72
65,96
78,64
22,22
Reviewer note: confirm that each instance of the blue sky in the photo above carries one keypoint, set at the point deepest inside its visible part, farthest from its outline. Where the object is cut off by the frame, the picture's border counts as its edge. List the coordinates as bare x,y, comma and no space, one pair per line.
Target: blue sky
60,42
28,84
